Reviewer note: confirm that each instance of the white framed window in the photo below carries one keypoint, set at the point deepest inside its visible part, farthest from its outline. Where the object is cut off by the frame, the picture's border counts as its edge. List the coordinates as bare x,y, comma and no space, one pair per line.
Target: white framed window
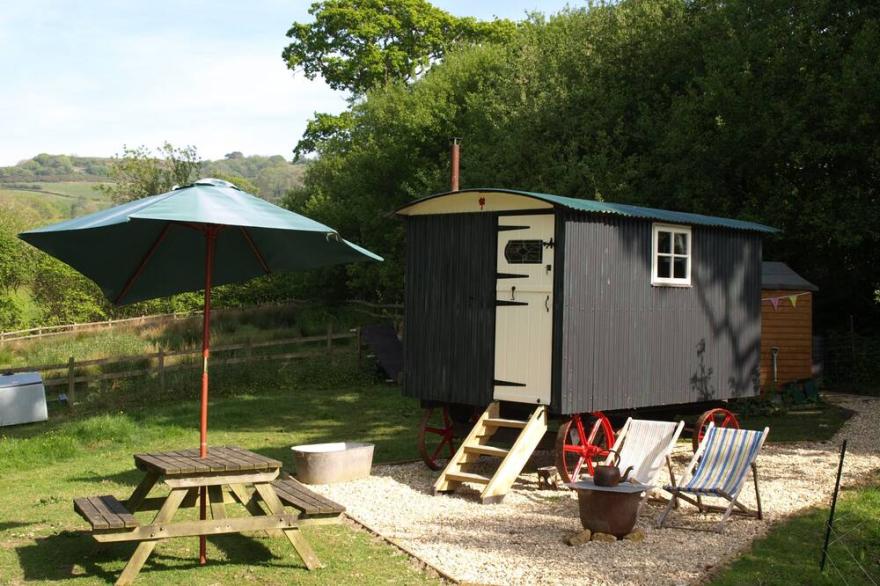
671,254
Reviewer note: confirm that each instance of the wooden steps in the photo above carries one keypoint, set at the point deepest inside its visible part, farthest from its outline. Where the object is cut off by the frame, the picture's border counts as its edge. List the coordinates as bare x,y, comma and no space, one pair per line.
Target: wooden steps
498,422
512,461
468,477
487,451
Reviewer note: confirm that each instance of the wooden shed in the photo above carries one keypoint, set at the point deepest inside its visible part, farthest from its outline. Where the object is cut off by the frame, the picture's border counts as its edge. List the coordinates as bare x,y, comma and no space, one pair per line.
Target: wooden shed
573,306
786,325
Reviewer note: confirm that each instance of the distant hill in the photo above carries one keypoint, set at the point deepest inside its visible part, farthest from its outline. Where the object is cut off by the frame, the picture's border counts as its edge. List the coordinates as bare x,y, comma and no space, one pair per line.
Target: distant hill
57,187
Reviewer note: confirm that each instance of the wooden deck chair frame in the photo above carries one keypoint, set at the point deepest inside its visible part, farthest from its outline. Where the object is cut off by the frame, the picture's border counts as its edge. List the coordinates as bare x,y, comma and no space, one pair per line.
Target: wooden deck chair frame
621,438
733,503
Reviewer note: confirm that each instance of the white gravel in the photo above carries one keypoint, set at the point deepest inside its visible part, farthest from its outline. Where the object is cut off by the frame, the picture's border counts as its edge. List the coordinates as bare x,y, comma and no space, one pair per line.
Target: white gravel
520,541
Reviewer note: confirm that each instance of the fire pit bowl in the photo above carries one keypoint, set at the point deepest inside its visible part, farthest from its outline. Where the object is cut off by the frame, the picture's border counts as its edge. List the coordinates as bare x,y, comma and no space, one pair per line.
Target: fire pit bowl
335,462
609,509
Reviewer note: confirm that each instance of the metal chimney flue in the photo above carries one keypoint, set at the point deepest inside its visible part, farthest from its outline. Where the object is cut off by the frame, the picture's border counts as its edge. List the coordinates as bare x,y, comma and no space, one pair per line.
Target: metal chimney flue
454,161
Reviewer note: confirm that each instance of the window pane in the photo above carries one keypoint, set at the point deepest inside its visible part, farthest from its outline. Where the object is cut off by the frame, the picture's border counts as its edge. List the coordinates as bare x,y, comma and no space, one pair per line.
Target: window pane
681,244
519,252
663,244
680,268
664,267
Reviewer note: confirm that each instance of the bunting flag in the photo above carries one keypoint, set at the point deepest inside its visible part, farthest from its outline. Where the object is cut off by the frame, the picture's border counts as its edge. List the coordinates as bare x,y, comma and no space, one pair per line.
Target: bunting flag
775,301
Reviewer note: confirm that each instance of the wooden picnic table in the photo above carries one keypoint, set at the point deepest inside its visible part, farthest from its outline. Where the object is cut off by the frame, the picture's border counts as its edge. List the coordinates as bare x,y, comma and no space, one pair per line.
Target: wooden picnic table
229,475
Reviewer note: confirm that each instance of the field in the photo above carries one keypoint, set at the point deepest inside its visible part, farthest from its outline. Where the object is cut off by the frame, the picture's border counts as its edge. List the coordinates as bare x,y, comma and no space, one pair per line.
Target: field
43,203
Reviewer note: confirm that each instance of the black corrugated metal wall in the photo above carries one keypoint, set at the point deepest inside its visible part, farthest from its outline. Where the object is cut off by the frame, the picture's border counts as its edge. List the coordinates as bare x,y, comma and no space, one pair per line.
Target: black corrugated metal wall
448,342
622,343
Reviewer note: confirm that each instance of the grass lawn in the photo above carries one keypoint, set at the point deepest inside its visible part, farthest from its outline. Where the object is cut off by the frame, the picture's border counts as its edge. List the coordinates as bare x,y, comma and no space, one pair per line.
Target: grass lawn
790,553
813,423
266,409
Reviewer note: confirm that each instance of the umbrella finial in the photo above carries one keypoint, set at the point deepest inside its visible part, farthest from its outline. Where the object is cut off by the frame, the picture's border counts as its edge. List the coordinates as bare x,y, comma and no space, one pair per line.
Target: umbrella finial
216,183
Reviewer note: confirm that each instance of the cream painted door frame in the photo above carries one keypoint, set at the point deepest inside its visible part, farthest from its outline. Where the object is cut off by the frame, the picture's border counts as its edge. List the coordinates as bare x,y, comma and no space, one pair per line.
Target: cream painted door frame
524,308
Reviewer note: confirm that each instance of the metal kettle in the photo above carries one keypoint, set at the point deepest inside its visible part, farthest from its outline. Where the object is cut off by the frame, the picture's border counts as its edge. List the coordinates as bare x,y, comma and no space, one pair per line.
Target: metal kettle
605,475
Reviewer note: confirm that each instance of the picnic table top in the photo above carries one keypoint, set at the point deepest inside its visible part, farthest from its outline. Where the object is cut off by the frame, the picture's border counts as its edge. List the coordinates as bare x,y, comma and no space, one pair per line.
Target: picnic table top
220,459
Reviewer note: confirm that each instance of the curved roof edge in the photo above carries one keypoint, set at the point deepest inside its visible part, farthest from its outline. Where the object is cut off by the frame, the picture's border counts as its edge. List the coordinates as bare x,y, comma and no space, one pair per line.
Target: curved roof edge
601,207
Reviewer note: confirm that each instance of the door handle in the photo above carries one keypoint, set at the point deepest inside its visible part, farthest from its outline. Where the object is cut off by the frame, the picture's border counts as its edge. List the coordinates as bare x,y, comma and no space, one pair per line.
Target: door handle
547,304
513,293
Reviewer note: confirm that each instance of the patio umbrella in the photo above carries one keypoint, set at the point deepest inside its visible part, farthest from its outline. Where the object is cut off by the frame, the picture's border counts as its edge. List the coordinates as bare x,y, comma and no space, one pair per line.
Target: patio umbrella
168,243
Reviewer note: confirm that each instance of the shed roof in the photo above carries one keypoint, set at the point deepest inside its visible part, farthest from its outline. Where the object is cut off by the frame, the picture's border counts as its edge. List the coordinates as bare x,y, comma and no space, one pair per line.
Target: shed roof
778,275
593,206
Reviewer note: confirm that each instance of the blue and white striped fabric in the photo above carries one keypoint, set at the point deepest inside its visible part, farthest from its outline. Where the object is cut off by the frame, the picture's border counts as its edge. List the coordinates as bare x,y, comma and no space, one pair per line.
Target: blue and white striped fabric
727,455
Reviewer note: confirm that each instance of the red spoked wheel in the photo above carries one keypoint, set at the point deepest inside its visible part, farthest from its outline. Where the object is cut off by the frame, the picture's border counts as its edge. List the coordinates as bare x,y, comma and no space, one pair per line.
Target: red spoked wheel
436,436
720,416
581,442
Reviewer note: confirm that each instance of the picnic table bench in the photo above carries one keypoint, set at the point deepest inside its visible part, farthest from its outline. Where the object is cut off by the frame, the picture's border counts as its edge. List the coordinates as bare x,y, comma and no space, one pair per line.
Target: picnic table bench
228,475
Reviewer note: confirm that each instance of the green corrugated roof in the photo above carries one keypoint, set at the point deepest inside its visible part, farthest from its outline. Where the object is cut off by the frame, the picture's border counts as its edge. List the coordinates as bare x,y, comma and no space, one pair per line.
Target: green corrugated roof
629,211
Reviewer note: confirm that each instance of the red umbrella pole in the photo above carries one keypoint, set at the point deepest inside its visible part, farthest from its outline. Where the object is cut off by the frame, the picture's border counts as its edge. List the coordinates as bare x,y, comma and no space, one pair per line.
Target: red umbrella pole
210,240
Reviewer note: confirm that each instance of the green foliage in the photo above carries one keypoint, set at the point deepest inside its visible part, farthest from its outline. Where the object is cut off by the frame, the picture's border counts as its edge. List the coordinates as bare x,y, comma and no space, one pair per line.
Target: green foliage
15,256
11,317
356,45
46,167
65,296
268,177
138,172
694,106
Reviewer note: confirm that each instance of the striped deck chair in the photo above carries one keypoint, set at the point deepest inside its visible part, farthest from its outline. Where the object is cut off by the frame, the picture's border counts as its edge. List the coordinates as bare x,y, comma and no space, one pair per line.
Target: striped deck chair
719,469
646,445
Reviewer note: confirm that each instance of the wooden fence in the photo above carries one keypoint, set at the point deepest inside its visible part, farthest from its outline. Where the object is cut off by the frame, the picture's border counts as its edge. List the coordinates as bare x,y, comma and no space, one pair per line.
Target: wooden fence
372,309
161,360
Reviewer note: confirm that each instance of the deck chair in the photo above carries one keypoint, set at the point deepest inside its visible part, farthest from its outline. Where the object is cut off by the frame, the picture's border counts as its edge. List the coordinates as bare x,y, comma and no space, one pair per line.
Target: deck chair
646,445
718,469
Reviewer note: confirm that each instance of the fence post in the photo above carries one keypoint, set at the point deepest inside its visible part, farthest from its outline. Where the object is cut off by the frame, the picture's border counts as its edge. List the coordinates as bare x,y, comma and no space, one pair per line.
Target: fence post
830,523
329,334
248,351
161,370
358,342
71,382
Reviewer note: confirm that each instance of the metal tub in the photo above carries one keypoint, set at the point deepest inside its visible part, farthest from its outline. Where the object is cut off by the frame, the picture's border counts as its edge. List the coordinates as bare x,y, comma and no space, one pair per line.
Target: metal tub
22,399
334,462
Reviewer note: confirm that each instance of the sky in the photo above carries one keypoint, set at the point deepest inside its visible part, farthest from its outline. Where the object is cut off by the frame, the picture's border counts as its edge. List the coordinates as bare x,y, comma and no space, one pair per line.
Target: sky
90,76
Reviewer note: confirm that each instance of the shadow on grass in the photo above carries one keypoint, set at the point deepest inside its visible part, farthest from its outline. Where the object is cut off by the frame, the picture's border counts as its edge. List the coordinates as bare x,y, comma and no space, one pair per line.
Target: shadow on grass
70,555
13,525
56,558
129,477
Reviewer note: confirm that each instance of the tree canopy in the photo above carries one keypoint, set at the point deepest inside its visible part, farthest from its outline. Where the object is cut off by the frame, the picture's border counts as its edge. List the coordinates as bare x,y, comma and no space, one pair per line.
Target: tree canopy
751,109
356,45
138,172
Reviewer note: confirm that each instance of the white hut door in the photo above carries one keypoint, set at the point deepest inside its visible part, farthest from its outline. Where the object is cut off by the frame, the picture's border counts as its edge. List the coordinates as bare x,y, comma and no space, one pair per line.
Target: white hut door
524,309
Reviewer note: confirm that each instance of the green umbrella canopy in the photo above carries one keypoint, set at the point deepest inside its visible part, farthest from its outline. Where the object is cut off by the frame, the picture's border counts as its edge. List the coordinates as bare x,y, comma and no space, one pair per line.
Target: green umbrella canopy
156,246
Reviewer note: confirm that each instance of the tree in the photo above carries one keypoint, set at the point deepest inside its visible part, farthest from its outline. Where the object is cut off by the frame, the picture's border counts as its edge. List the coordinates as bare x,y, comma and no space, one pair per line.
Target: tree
675,104
356,45
16,257
140,173
65,296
